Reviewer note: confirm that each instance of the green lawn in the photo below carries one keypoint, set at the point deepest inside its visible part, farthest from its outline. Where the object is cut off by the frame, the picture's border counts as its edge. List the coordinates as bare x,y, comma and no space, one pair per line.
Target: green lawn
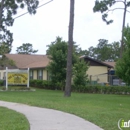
11,120
103,110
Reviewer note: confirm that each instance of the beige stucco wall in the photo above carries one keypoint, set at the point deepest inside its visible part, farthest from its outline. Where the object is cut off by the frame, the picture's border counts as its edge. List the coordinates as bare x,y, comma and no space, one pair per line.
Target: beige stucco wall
2,74
34,74
97,73
44,74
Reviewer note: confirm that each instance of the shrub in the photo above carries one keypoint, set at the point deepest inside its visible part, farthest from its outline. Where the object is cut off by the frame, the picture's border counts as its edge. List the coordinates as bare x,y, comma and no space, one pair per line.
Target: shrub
80,88
102,89
1,82
80,78
45,84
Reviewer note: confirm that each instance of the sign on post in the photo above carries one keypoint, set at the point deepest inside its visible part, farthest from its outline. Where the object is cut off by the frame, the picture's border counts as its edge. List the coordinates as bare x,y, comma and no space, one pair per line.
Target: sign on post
17,77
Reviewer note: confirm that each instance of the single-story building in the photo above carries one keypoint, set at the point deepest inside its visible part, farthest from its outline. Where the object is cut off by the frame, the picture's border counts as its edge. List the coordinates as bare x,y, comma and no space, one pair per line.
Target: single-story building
98,71
36,63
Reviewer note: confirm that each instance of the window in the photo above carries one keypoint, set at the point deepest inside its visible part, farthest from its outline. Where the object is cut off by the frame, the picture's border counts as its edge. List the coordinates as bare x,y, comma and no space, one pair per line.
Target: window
40,74
31,74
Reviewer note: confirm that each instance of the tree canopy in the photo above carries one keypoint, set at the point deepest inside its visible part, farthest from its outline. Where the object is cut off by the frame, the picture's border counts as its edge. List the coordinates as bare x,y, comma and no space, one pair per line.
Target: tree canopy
8,8
123,65
104,51
106,6
26,48
4,48
57,52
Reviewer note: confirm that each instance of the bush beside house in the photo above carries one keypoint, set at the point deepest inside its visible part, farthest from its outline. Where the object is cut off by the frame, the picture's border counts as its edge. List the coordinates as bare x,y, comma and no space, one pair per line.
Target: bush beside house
82,89
99,89
1,82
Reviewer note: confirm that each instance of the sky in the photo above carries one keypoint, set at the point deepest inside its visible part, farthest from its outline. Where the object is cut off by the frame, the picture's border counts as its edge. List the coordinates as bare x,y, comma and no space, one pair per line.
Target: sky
52,20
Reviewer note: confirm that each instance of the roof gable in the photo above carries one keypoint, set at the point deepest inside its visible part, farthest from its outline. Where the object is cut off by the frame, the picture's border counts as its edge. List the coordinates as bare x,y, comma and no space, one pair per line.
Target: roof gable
94,62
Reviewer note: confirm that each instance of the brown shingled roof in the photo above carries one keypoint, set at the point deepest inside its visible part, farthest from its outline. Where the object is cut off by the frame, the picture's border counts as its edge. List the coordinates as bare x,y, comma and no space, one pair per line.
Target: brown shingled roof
29,61
91,60
111,63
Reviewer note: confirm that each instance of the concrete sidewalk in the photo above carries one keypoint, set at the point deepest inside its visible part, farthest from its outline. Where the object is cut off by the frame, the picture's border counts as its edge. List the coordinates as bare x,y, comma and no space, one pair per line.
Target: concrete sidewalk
48,119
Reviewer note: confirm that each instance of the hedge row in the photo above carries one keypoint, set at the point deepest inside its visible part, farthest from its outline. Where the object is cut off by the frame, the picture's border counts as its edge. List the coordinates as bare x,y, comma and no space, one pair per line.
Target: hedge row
45,84
102,89
83,89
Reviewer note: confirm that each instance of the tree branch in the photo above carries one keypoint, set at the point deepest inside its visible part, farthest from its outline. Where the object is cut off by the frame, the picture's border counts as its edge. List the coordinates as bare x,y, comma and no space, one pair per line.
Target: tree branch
114,9
121,2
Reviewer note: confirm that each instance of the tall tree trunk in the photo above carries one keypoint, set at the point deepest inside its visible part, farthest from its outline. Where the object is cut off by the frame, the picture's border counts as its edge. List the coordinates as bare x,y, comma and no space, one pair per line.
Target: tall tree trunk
70,51
123,25
1,11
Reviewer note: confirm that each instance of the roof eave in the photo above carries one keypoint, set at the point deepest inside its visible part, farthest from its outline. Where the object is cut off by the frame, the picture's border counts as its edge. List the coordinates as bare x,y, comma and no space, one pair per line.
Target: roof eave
109,66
